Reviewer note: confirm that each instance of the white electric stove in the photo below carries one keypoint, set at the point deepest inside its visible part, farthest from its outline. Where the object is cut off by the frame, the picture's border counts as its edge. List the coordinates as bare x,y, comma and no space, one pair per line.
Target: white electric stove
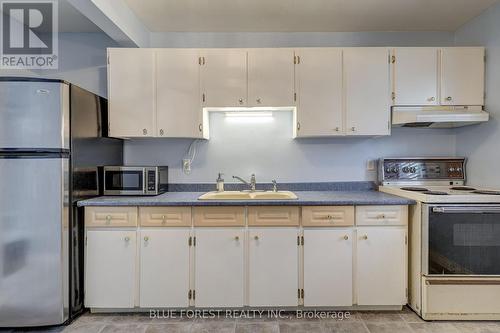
454,238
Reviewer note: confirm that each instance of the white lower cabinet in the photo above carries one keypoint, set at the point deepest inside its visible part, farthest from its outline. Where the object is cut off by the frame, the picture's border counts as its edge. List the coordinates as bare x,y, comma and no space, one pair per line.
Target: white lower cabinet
273,267
381,265
164,267
110,272
328,267
219,267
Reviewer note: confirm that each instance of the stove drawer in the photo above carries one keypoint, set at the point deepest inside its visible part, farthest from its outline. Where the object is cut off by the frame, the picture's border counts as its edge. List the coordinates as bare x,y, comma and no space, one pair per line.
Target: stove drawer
381,215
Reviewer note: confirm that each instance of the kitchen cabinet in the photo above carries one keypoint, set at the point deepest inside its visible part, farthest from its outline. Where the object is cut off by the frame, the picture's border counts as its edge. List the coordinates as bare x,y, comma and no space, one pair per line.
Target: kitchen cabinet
415,73
131,92
366,91
178,104
462,76
164,267
223,77
271,77
381,265
328,267
219,267
110,257
273,267
318,82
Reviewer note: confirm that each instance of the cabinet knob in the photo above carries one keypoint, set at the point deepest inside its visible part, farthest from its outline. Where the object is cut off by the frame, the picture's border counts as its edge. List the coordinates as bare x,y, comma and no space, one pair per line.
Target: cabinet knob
161,131
108,219
237,238
365,237
146,238
240,101
346,237
449,98
256,237
381,216
127,239
200,127
337,129
259,101
353,129
144,131
431,99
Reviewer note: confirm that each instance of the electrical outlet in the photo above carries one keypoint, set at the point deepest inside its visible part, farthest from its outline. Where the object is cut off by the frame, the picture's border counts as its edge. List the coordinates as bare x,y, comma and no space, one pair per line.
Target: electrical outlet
186,166
370,165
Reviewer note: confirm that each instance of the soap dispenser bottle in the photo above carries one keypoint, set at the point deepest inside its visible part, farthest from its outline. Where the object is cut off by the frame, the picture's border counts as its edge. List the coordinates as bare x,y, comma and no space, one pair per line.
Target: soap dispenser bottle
220,183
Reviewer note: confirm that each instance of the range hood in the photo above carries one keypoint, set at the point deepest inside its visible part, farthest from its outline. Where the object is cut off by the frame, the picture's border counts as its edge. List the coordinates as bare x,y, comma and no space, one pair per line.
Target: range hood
437,116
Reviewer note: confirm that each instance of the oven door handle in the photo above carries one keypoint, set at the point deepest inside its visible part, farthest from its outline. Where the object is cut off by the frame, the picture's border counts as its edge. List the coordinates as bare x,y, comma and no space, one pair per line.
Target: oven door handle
470,209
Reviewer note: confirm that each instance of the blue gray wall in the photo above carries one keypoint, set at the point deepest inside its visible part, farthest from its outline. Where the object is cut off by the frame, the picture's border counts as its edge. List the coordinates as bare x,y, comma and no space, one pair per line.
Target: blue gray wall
482,143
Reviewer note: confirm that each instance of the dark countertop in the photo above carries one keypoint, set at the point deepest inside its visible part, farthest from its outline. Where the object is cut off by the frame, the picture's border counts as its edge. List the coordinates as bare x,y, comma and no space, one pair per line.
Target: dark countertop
305,198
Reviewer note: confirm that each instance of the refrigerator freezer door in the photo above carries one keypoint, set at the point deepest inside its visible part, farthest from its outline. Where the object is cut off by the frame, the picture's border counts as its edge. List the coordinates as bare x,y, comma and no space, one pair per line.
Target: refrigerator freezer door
34,115
33,240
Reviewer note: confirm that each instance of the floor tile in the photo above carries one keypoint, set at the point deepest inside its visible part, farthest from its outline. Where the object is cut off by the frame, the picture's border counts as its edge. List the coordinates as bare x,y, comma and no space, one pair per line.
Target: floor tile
169,328
344,327
213,327
477,327
260,327
123,328
54,329
388,327
84,328
380,316
411,317
300,327
433,327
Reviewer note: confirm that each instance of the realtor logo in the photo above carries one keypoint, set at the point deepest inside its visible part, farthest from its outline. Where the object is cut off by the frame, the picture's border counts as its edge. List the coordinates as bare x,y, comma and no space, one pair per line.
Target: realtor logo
29,34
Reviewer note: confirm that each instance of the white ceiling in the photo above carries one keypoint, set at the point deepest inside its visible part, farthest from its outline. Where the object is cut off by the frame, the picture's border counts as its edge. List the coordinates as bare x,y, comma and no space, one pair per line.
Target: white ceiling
305,15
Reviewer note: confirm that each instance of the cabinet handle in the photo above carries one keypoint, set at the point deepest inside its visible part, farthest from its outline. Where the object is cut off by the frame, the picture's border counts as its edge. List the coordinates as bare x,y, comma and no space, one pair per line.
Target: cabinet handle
200,127
256,237
240,101
449,98
353,129
346,237
431,99
337,129
108,219
381,216
161,131
146,238
237,238
127,239
144,131
365,237
259,101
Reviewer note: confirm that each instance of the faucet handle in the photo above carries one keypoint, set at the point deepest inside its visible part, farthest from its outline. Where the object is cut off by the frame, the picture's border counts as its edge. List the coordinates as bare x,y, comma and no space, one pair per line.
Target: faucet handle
275,185
219,177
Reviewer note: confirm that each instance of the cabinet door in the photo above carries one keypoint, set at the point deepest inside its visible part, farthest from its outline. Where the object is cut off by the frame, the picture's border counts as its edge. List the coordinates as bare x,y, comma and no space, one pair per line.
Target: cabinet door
416,76
270,77
219,269
381,266
273,267
110,269
462,76
318,79
131,92
178,103
328,267
164,269
366,82
224,77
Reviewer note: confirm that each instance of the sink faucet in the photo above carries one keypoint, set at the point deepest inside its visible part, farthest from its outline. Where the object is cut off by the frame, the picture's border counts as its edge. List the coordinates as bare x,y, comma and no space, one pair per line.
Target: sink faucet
252,183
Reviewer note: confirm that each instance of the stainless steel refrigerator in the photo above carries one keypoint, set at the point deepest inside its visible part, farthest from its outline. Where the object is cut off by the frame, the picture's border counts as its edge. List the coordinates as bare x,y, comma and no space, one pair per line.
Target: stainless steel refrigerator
53,136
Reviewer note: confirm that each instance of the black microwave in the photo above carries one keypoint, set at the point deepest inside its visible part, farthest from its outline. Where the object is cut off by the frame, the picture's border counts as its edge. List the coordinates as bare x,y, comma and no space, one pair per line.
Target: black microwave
134,180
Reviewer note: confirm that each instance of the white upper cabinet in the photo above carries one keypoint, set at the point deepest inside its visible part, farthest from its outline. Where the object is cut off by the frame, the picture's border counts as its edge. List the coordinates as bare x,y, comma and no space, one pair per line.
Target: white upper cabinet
223,77
462,76
131,92
415,72
178,103
271,77
318,82
366,85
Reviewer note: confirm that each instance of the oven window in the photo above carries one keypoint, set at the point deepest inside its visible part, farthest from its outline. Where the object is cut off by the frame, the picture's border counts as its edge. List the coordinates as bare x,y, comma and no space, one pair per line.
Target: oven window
124,180
466,243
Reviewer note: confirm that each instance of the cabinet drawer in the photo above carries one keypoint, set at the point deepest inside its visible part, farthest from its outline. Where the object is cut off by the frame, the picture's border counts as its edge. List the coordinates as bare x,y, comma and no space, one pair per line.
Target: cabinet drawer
273,216
327,216
381,215
219,216
165,216
111,216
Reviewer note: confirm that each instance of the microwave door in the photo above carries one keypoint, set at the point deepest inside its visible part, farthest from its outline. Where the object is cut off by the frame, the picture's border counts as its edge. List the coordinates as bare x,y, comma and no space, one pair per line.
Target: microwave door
124,181
461,240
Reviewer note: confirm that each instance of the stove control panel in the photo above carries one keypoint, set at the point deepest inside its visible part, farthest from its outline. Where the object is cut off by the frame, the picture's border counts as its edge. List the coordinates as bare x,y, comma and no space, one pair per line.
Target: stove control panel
413,169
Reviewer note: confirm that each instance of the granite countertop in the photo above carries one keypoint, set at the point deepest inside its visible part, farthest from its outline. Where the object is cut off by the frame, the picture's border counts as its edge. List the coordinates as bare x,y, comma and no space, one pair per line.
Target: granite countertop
305,198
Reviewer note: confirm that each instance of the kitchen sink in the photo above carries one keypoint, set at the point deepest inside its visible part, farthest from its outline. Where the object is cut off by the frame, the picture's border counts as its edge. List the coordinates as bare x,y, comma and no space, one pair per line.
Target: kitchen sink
241,195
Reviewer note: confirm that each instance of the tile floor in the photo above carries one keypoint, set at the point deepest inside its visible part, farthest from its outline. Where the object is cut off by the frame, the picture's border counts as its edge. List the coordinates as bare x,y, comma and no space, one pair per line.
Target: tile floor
358,322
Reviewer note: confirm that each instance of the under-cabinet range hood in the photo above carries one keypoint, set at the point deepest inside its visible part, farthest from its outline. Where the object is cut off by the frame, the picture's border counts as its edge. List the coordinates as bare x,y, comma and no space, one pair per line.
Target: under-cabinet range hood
437,116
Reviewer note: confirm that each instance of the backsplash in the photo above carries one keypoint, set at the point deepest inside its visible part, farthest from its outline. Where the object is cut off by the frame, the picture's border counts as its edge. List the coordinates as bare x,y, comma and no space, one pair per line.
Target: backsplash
267,149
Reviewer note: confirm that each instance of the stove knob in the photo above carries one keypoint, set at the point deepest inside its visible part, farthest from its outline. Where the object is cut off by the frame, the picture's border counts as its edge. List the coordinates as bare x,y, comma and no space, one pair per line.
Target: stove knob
413,169
451,169
388,170
395,170
406,169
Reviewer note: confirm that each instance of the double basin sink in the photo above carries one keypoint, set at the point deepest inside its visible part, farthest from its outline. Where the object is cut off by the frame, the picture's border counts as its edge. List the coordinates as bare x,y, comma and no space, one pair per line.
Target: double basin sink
249,195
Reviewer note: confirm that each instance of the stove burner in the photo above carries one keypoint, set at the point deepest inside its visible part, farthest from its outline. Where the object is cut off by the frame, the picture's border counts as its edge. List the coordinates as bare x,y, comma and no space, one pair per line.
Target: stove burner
486,192
435,193
462,188
415,189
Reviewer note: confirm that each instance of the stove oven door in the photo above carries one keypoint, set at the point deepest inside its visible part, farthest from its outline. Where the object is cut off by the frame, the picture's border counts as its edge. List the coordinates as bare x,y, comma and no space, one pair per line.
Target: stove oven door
461,240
